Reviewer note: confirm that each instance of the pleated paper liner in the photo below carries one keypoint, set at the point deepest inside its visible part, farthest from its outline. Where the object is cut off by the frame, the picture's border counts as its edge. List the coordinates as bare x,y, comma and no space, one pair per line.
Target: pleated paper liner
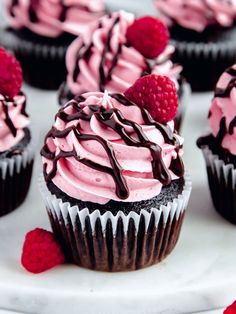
116,242
42,60
222,184
203,63
15,179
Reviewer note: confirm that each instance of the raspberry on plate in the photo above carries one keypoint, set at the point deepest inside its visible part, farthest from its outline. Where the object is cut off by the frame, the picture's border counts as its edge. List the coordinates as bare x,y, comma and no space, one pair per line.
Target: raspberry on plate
41,251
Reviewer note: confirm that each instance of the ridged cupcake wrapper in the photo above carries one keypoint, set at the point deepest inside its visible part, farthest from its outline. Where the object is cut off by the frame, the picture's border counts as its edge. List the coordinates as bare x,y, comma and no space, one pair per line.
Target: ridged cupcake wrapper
15,177
116,242
43,64
203,63
222,183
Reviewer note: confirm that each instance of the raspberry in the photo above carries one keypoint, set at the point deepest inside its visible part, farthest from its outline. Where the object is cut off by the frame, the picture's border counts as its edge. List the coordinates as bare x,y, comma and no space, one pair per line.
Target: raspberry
10,74
231,309
41,251
157,94
149,36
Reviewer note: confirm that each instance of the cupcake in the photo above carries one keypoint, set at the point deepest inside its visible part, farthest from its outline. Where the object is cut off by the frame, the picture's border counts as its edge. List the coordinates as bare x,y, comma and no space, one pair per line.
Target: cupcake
16,148
204,35
219,146
118,52
113,179
39,33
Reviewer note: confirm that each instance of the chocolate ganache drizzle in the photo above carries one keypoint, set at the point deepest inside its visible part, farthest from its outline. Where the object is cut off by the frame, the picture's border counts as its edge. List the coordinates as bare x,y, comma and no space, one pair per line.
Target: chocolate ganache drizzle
52,18
104,59
129,131
13,119
222,116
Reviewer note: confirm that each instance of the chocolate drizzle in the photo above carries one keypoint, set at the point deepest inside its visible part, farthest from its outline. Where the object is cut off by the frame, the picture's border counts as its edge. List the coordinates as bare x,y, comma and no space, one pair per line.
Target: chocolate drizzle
114,119
223,130
5,107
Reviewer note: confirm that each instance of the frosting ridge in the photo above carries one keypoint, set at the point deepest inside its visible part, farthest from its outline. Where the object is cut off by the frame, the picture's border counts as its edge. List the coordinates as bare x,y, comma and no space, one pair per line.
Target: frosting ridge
94,152
197,14
104,60
222,114
52,18
13,119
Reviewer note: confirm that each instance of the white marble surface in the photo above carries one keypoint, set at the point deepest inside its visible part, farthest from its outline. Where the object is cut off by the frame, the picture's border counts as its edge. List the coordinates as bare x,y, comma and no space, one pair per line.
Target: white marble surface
199,275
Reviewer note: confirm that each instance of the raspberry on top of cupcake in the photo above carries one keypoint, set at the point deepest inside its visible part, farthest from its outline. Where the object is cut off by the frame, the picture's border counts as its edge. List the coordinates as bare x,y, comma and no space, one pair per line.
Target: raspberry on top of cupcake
118,52
13,117
116,146
222,114
197,15
52,18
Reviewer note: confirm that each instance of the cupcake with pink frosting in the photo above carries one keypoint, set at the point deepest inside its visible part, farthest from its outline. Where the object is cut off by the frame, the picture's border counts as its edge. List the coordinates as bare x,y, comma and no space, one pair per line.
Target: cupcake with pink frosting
113,182
16,148
204,34
219,147
120,50
39,33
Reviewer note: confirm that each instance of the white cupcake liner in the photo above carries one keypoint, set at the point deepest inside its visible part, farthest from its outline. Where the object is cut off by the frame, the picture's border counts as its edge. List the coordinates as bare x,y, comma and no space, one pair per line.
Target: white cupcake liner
15,179
222,181
116,242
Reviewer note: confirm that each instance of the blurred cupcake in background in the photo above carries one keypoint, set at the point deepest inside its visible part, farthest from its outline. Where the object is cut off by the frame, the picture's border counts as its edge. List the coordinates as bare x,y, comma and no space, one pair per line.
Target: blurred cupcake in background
204,35
219,146
114,183
119,51
39,33
16,146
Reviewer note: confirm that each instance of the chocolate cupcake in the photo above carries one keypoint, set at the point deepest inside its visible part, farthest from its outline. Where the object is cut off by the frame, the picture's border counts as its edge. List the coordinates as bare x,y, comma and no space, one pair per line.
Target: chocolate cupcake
112,57
219,147
39,33
204,35
16,147
114,183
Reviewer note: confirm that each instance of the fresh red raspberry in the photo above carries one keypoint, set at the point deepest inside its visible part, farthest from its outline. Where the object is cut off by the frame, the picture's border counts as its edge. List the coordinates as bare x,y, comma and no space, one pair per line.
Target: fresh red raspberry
41,251
157,94
231,309
10,74
149,36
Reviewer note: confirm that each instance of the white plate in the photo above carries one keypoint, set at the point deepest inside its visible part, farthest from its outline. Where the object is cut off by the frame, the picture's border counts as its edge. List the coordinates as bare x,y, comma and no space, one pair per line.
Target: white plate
198,276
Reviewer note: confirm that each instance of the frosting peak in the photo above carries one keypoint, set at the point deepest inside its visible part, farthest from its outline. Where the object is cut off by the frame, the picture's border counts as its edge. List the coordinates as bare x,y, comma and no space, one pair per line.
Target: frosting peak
222,114
52,18
103,59
197,14
13,119
103,147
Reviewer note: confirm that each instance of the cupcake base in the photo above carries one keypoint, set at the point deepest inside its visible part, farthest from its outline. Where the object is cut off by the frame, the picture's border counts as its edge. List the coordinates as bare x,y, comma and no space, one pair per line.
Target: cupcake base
204,56
116,242
16,167
222,181
42,59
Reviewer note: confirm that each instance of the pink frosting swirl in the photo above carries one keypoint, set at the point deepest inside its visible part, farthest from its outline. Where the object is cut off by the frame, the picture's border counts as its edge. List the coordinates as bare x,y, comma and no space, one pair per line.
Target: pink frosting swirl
222,115
70,159
122,64
13,119
52,18
197,14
